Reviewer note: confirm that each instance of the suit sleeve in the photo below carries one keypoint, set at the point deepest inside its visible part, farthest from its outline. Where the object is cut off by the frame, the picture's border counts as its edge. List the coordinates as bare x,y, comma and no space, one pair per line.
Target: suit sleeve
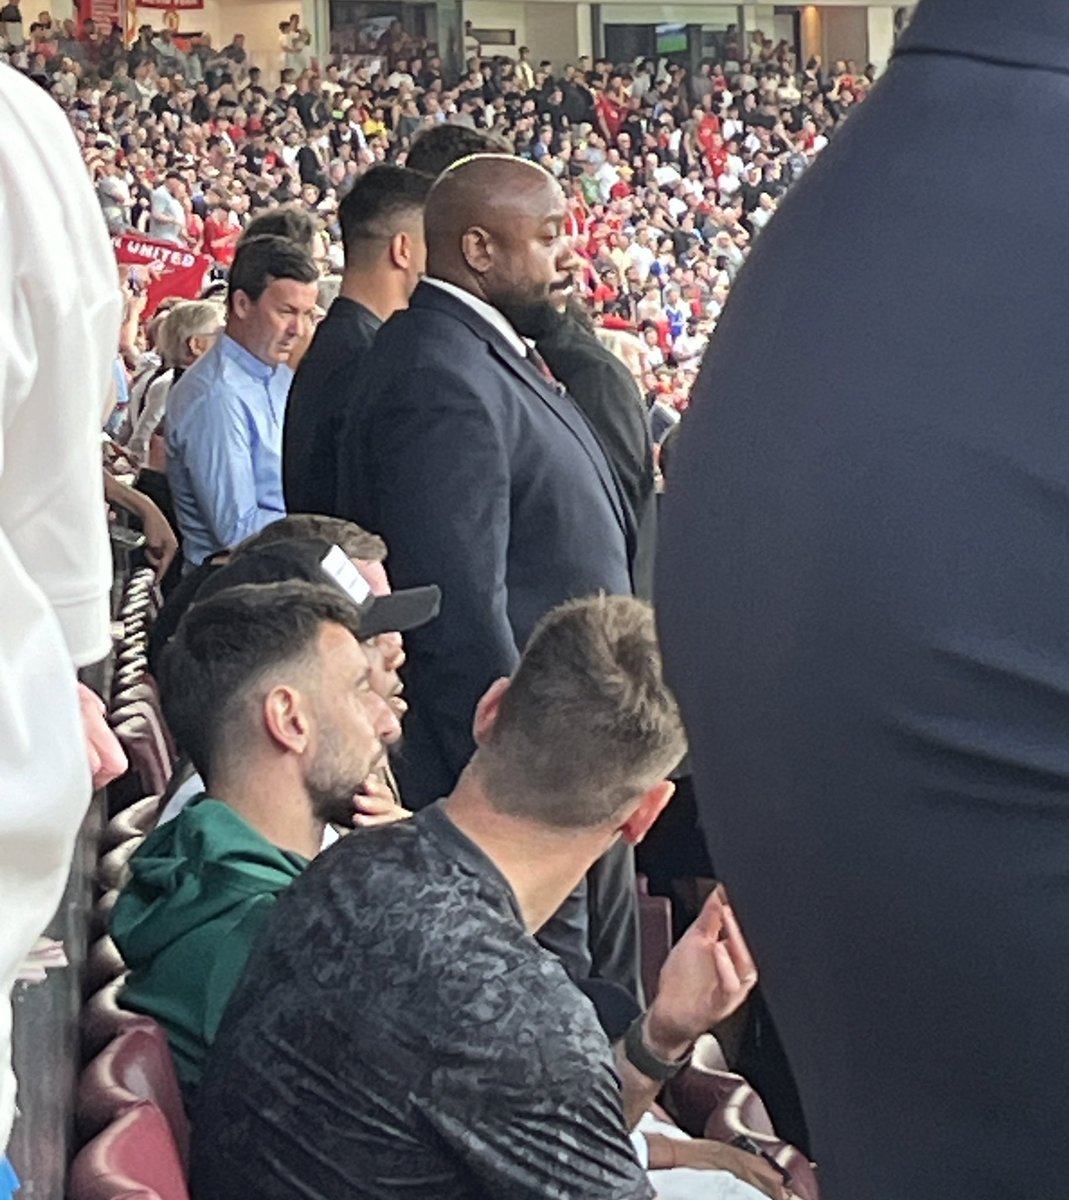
440,496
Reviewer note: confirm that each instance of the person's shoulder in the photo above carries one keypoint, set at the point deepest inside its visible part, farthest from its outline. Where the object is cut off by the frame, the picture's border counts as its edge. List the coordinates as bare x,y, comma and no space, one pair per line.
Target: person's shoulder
33,105
431,337
198,382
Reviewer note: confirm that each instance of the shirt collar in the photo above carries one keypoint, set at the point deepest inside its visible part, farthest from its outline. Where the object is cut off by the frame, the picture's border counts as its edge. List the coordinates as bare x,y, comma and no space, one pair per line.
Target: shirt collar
463,850
342,306
247,361
487,311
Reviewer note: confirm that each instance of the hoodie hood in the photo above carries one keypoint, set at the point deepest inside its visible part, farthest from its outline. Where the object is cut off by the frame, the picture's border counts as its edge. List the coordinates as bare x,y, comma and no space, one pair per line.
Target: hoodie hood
204,865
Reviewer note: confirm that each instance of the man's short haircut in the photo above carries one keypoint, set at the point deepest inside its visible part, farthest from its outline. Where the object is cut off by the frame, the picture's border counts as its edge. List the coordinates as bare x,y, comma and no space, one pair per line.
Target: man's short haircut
355,541
379,202
587,724
228,651
435,149
287,222
261,259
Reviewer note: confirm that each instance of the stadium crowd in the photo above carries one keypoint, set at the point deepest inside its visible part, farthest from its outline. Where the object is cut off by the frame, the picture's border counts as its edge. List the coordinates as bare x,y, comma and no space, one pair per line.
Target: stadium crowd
425,272
670,176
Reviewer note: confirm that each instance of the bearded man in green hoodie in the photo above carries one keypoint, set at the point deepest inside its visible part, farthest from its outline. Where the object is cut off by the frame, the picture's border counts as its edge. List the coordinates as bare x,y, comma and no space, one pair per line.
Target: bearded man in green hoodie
268,689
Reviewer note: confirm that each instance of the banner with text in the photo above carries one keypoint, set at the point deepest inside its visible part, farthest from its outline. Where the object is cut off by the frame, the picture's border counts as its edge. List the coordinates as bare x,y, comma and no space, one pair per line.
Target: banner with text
161,269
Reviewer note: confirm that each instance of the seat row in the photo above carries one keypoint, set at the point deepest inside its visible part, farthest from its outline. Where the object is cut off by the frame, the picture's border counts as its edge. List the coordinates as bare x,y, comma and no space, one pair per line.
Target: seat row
130,1111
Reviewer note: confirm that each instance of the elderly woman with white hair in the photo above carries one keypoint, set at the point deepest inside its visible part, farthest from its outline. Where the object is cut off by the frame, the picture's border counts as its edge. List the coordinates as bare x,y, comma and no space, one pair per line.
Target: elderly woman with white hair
188,330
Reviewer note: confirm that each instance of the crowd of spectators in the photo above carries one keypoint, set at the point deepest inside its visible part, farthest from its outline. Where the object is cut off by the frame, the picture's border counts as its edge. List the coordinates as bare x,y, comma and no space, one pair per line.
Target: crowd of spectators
670,175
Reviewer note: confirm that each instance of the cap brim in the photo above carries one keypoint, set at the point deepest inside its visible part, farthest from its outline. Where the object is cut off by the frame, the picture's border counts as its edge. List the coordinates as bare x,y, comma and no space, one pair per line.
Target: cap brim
399,611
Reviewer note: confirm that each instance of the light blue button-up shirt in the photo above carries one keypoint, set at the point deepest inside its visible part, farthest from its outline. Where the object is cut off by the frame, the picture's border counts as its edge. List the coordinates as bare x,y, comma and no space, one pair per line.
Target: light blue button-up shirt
224,448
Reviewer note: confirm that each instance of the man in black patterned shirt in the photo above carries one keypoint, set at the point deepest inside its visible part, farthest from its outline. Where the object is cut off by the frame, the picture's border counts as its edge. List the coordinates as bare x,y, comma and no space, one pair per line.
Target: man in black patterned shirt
400,1033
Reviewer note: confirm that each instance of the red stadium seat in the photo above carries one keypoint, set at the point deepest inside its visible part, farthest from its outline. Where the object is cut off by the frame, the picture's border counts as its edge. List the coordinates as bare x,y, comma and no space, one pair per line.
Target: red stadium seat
135,1158
140,731
135,1066
699,1090
708,1100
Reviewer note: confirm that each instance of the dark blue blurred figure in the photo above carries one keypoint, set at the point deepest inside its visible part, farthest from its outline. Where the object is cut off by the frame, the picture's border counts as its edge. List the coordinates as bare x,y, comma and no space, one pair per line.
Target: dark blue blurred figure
864,591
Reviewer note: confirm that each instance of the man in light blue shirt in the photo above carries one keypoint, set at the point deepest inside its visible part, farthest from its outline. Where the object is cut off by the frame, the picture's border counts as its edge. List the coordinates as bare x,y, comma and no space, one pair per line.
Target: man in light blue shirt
225,415
167,219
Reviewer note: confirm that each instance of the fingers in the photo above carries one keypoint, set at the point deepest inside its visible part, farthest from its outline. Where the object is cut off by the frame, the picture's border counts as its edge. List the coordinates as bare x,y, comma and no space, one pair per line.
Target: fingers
364,820
367,821
710,921
373,805
728,982
745,967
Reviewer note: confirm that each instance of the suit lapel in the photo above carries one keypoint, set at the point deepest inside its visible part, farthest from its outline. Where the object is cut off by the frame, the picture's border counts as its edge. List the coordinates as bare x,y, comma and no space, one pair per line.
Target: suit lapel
558,402
568,413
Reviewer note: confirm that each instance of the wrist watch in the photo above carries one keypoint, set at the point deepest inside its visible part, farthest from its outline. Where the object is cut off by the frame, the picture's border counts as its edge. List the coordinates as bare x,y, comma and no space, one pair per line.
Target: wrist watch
642,1058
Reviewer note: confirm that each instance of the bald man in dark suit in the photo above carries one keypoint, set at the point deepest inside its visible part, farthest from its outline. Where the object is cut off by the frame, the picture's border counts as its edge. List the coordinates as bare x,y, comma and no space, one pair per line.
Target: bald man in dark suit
484,475
864,595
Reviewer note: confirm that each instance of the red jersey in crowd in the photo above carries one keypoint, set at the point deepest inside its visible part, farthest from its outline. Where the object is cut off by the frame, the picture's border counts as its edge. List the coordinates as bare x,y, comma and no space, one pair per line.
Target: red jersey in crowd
611,113
220,239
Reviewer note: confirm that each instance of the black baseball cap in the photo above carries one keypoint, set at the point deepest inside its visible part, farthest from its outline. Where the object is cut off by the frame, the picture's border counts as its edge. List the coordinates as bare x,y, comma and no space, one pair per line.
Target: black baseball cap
316,561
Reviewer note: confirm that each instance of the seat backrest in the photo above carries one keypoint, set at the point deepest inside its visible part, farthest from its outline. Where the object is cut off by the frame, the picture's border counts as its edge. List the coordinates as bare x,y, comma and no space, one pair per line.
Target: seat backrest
134,821
103,964
696,1093
113,869
134,1158
139,728
136,1065
742,1114
655,930
102,1019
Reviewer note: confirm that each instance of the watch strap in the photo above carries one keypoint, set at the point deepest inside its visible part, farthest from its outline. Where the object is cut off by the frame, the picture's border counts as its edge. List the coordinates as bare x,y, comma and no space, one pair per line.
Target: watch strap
642,1058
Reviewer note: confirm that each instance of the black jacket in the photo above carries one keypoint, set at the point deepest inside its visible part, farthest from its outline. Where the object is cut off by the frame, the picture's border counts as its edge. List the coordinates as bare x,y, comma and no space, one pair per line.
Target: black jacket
483,479
864,598
327,384
606,392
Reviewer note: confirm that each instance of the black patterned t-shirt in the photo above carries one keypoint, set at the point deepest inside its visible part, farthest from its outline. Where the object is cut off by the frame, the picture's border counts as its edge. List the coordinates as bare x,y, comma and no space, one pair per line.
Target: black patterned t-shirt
398,1034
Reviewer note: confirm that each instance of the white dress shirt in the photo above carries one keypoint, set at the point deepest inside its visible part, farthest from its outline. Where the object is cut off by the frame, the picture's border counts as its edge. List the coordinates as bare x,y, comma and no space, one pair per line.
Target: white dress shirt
486,311
60,309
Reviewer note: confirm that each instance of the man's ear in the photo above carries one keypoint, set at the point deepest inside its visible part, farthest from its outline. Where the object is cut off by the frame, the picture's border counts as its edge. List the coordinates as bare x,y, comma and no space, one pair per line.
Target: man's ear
240,304
286,720
646,812
486,711
476,245
401,250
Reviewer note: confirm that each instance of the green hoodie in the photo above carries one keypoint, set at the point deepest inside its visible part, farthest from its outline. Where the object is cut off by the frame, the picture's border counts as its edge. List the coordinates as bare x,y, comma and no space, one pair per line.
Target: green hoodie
202,887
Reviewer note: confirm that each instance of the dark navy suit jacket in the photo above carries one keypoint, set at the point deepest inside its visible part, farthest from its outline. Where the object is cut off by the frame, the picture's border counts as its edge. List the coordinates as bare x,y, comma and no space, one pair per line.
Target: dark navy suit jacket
864,597
485,479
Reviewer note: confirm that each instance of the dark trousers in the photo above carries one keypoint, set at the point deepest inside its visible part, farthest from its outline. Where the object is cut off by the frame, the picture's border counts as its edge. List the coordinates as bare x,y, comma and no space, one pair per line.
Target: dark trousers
595,931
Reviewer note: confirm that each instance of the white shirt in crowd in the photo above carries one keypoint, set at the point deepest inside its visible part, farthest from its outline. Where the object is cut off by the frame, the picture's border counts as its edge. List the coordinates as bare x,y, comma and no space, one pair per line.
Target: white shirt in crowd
641,257
688,346
60,309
